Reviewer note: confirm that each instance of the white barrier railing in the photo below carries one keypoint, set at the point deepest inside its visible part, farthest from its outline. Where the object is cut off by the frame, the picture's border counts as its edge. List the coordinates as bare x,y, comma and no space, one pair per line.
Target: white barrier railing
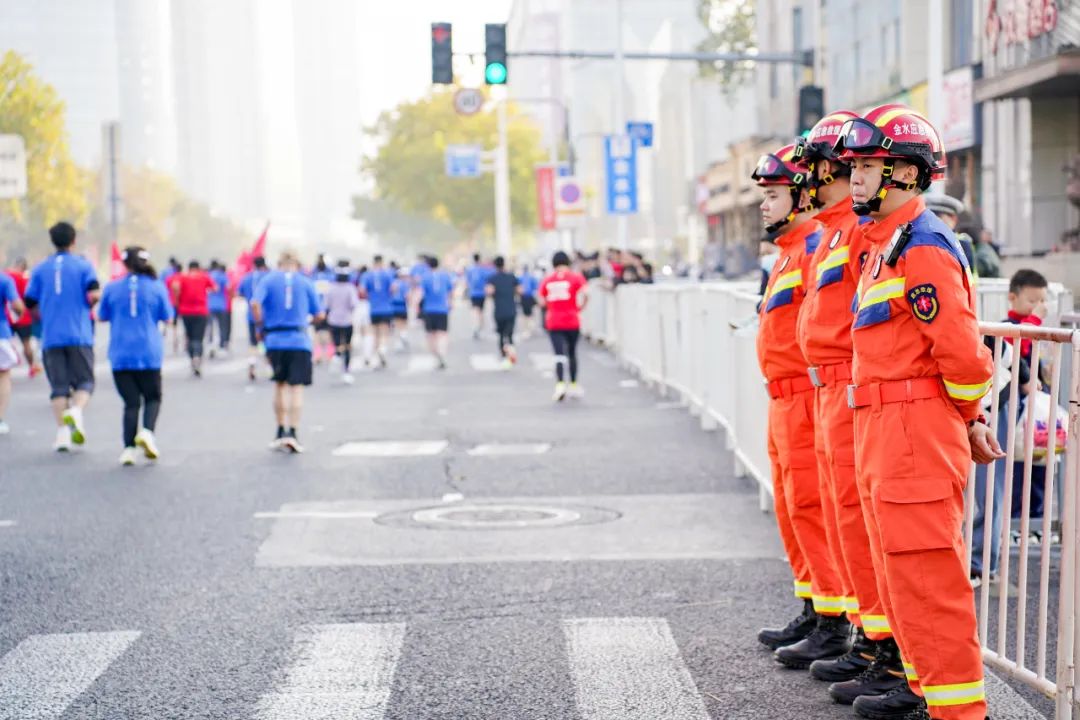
698,341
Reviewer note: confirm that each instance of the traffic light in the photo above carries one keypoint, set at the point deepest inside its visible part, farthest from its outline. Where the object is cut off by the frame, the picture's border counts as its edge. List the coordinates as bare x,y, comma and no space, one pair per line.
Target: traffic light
495,54
811,108
442,54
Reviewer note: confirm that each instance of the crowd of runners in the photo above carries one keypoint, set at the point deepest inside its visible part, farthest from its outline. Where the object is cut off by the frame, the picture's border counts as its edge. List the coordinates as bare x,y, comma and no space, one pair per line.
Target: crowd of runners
332,313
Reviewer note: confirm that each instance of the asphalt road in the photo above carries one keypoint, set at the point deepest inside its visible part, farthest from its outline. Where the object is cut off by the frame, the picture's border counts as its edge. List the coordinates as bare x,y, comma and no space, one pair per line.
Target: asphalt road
596,561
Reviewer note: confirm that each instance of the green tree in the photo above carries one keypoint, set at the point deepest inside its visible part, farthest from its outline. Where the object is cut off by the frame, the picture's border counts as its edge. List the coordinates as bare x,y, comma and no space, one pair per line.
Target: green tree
31,108
410,184
730,26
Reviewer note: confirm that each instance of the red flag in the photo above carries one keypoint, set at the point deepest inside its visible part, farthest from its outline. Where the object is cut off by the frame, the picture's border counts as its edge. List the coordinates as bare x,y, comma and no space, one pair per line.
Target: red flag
116,262
245,263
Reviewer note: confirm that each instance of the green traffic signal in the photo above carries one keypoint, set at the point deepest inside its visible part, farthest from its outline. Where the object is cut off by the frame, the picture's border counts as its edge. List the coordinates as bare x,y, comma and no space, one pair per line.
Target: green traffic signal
495,73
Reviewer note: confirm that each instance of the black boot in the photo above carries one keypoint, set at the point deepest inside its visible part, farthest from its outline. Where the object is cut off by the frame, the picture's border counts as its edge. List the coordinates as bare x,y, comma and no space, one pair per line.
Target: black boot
897,704
795,631
885,673
919,714
849,665
830,638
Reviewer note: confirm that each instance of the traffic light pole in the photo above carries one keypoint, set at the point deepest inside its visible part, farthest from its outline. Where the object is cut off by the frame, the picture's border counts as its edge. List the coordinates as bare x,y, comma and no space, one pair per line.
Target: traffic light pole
622,227
502,180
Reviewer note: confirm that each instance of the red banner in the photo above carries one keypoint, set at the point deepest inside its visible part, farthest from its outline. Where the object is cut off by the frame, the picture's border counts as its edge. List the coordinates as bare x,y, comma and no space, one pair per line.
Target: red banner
545,196
116,262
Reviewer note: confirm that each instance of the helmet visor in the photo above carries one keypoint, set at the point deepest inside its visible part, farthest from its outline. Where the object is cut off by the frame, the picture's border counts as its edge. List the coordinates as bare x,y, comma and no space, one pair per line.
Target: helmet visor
769,166
860,136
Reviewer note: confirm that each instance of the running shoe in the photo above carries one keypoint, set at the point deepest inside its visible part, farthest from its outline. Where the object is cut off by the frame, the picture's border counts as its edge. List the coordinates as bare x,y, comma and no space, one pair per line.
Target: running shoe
63,439
5,429
251,371
35,370
73,418
347,378
506,364
575,391
511,354
382,359
290,443
442,362
127,458
145,439
560,392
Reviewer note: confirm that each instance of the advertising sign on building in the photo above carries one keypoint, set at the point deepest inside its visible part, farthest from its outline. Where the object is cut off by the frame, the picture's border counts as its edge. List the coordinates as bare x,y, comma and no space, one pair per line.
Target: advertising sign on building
958,125
545,196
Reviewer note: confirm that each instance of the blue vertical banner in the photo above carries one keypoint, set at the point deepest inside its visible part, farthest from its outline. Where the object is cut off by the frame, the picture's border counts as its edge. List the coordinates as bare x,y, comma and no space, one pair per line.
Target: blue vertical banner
620,161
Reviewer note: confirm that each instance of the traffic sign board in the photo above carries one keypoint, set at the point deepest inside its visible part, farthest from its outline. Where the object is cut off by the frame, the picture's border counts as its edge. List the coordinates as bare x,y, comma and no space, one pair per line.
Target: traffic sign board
620,161
468,101
463,160
12,167
569,199
642,132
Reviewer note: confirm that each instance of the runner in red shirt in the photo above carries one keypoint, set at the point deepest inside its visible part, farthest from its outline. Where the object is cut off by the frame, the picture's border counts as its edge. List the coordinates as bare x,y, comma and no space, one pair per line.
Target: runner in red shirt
562,294
190,291
23,327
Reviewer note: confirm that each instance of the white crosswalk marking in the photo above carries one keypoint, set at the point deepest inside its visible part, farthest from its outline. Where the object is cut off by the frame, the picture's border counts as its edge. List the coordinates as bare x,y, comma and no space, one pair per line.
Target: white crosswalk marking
45,673
420,364
341,672
486,363
630,669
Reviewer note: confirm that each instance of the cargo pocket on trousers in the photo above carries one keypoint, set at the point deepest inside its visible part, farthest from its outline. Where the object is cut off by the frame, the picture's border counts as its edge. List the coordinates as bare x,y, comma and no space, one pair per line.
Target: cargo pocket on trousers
916,515
805,489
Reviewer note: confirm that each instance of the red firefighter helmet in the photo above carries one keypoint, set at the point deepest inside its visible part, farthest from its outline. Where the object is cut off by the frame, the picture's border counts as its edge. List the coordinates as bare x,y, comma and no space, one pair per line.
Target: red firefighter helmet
893,132
781,168
819,145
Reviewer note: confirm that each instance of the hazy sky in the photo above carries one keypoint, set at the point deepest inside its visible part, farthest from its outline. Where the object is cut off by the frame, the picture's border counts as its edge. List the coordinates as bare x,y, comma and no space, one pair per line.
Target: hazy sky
400,30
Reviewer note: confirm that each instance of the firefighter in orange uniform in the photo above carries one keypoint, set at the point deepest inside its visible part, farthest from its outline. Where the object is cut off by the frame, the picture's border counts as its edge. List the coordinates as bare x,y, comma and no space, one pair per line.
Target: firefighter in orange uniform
920,370
825,338
821,630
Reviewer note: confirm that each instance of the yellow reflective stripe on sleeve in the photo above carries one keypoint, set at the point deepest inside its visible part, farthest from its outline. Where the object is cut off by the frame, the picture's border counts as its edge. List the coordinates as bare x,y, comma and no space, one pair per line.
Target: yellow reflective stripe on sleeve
909,670
967,392
836,258
882,292
786,281
960,694
829,604
876,623
802,589
851,605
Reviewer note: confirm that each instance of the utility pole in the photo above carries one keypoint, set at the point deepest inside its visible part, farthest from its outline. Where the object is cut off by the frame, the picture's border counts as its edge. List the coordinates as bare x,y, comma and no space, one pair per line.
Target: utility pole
622,239
502,179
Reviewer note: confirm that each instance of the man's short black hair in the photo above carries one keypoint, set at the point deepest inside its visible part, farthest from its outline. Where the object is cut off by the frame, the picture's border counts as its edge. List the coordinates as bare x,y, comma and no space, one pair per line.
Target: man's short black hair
259,262
500,262
193,265
1025,278
476,257
432,261
560,258
62,235
378,258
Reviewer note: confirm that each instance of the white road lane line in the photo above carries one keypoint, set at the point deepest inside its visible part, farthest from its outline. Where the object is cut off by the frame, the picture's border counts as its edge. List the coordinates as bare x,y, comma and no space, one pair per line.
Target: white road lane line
630,669
391,448
315,515
7,523
485,449
44,674
340,672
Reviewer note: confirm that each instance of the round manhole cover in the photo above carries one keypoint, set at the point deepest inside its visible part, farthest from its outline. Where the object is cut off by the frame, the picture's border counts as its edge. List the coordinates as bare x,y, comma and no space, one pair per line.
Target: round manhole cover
497,516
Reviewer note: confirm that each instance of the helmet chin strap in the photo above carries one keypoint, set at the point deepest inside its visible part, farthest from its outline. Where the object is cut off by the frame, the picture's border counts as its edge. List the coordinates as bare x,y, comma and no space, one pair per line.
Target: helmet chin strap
874,204
827,179
795,210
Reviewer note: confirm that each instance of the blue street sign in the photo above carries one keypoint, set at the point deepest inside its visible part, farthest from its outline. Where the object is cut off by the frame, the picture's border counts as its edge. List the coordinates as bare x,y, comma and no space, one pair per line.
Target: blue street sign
641,132
563,170
620,161
463,161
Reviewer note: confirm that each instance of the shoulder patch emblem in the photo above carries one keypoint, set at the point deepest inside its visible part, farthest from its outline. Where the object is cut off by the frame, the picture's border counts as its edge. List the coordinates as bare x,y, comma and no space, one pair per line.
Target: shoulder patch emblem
835,239
924,302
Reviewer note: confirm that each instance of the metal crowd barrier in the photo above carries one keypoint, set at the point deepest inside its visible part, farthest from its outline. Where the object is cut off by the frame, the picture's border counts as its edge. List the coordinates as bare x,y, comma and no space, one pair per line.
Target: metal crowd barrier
697,342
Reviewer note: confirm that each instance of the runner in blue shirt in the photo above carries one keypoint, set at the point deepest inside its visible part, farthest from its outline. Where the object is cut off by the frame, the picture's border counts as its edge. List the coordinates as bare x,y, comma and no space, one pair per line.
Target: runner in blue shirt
376,286
246,290
399,303
529,285
323,276
220,303
285,302
476,280
133,306
420,269
9,354
436,290
64,288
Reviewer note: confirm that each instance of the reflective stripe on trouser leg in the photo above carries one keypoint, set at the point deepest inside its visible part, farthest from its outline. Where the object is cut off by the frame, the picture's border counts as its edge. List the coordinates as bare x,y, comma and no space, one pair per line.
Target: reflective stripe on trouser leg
916,456
796,560
790,419
909,671
837,422
830,511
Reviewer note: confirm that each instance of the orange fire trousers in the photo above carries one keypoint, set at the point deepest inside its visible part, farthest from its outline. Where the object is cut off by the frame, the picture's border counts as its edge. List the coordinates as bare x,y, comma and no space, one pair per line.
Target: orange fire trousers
912,461
842,509
797,496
